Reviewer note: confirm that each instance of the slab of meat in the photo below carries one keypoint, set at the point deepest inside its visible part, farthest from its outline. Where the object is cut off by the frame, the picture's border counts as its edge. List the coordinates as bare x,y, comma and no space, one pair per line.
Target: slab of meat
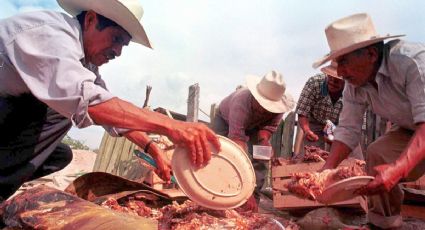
314,154
311,184
190,215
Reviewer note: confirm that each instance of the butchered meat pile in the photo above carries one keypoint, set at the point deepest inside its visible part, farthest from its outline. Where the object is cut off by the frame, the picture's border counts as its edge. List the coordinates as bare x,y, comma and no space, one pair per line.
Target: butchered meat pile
311,154
190,215
311,184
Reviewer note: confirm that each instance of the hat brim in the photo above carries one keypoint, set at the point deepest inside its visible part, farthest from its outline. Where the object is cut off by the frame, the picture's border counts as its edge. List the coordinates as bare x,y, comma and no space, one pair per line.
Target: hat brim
330,71
285,104
337,53
113,10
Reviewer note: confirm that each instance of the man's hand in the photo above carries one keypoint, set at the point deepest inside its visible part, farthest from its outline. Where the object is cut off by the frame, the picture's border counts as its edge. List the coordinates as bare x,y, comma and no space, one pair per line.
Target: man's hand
163,170
305,126
195,137
386,178
311,136
339,152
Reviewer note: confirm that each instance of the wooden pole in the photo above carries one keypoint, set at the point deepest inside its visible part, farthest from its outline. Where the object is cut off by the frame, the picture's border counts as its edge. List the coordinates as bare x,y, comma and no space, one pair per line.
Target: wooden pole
193,103
148,93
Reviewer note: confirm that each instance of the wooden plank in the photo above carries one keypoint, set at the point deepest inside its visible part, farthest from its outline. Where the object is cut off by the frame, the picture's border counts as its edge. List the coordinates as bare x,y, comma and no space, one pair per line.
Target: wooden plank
115,152
110,144
125,155
193,103
114,164
276,139
413,211
284,201
127,162
213,112
99,156
102,151
288,135
299,138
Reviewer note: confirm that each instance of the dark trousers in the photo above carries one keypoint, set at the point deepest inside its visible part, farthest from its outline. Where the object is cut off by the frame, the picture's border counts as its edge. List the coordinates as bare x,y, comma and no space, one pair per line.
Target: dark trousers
58,159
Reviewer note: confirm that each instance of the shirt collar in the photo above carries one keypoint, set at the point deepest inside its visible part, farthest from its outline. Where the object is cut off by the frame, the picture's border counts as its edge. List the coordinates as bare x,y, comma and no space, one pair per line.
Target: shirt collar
383,69
324,88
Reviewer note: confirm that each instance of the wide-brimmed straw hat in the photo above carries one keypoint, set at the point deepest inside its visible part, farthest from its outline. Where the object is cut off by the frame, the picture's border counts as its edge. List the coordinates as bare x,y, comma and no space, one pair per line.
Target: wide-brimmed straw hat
331,70
126,13
348,34
270,93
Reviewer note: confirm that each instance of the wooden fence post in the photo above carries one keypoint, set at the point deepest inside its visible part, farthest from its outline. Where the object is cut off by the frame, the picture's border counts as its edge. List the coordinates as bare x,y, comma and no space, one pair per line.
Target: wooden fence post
213,112
288,135
193,103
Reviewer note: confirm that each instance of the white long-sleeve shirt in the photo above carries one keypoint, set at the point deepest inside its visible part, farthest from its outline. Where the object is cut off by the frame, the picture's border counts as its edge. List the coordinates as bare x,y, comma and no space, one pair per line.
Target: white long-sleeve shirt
400,96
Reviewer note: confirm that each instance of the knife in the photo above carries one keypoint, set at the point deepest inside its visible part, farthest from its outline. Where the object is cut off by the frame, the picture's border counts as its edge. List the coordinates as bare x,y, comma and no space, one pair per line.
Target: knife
148,159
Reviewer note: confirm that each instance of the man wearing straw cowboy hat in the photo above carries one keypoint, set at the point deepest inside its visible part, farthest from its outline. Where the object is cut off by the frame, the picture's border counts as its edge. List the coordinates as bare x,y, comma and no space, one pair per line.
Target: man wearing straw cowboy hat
321,101
390,78
250,115
49,80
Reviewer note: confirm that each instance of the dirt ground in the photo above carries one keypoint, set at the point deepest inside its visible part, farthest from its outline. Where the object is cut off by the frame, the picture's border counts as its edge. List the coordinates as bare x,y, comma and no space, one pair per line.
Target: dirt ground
82,162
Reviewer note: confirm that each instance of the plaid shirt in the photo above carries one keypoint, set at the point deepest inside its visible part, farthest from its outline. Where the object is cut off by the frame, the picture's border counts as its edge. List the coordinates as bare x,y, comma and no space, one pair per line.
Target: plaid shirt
315,102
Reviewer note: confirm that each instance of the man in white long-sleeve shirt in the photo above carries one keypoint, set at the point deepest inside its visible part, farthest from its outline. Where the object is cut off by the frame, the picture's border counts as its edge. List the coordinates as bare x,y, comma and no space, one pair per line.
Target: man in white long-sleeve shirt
49,80
390,78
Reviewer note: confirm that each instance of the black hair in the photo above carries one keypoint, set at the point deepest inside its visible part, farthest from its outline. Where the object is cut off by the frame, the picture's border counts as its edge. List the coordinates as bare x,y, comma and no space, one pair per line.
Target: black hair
379,46
103,22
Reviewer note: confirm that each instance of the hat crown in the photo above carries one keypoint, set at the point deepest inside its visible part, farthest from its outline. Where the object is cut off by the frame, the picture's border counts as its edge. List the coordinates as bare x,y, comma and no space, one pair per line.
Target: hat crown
350,30
134,7
272,86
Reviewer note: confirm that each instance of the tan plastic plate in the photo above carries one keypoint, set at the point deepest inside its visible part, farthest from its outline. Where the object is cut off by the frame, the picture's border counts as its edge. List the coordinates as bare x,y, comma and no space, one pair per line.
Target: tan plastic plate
226,182
343,190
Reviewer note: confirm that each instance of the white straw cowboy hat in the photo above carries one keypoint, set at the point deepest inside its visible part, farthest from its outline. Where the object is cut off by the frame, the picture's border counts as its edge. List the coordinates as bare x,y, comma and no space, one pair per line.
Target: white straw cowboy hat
126,13
331,70
269,91
348,34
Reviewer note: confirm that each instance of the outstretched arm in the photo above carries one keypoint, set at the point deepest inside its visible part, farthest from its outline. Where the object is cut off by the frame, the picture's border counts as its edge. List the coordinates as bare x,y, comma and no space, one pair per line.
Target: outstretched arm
195,137
388,175
339,152
305,126
141,139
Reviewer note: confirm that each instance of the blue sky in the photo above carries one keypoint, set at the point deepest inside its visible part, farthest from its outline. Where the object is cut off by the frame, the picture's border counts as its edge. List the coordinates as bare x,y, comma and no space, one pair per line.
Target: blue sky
217,43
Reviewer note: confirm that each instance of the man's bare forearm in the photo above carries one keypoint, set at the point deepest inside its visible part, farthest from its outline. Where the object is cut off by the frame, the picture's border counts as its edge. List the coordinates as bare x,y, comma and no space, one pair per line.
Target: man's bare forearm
122,114
303,123
339,152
